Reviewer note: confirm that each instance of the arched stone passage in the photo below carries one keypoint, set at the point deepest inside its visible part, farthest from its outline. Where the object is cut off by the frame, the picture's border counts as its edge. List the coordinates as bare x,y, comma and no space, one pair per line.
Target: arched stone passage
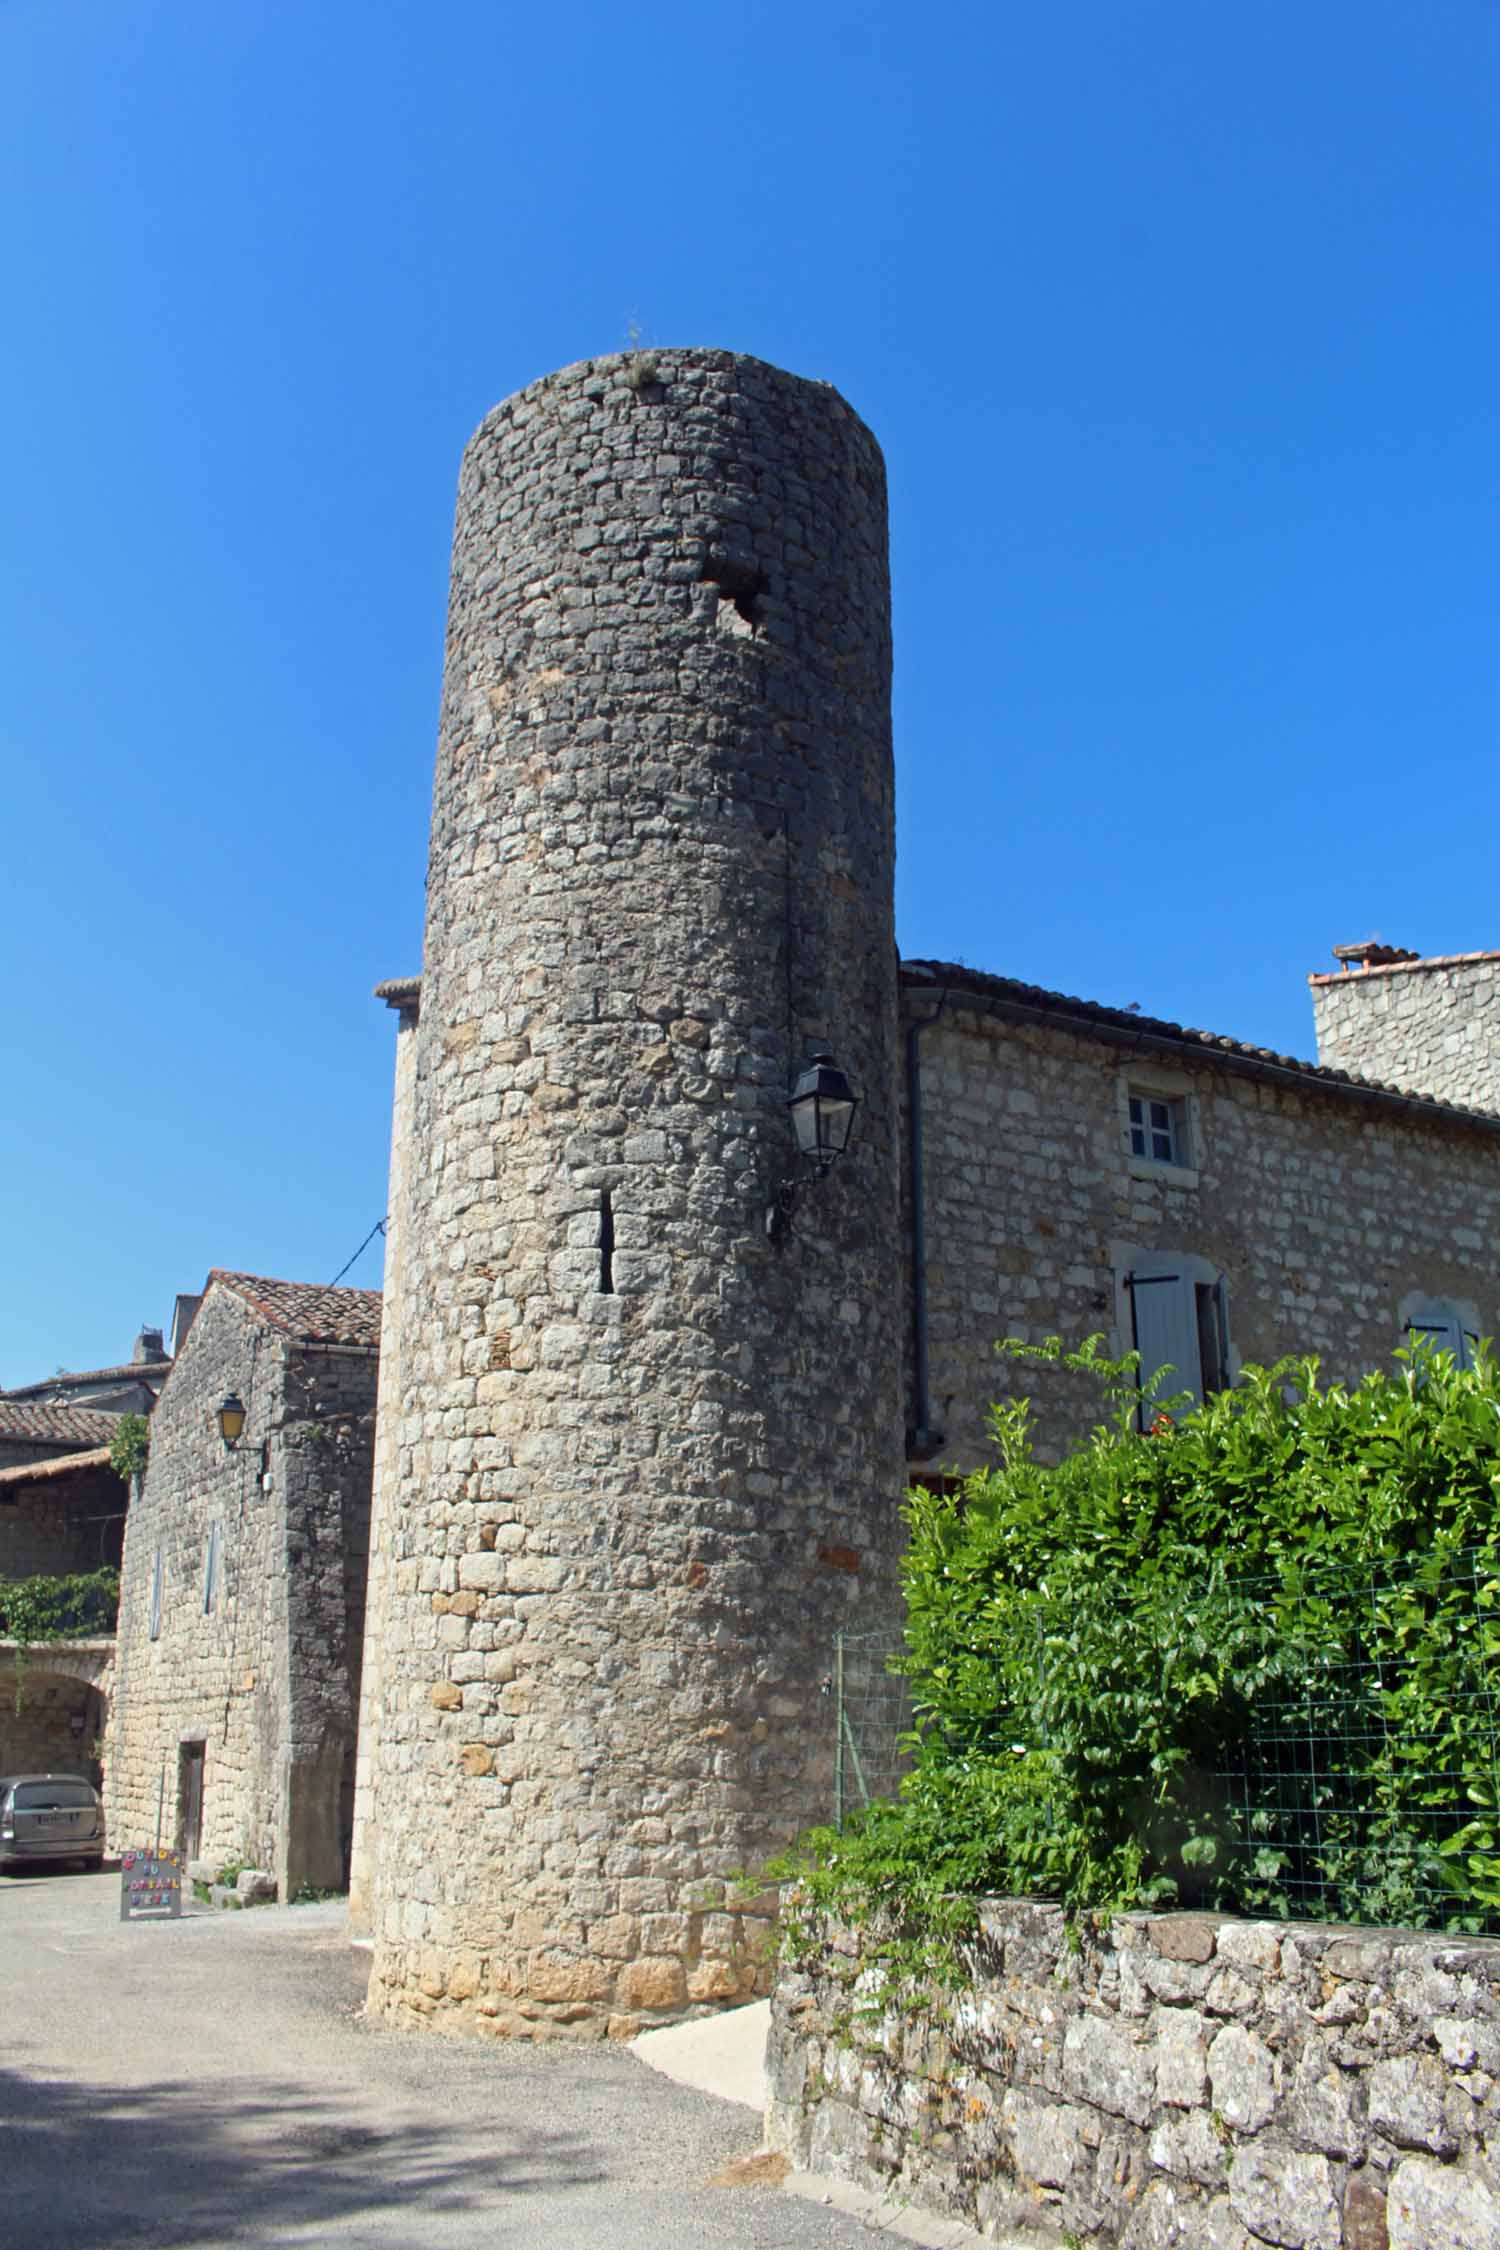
54,1707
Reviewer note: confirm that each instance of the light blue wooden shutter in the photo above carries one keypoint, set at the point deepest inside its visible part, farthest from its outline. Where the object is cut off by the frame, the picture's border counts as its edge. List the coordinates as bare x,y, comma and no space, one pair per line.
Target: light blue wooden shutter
1441,1329
1166,1331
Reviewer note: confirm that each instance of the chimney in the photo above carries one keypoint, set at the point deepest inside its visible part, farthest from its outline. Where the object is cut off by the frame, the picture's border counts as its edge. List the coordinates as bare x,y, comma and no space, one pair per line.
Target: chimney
1371,954
148,1347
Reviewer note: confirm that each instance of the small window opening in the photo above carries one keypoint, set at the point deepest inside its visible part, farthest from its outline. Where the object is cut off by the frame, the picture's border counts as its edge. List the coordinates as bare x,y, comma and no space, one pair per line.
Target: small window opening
211,1555
1156,1129
606,1246
740,589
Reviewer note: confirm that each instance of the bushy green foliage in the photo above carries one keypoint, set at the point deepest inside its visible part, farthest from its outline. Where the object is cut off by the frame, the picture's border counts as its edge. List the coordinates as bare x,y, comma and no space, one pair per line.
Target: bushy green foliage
1250,1659
34,1611
129,1445
58,1609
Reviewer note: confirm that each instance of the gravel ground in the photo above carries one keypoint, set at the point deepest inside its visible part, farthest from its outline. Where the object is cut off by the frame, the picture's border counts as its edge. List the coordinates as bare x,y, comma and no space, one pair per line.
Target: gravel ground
212,2082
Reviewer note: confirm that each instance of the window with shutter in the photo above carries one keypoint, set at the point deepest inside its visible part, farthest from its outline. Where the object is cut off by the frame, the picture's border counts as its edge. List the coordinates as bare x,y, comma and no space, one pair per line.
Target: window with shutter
1179,1323
1437,1325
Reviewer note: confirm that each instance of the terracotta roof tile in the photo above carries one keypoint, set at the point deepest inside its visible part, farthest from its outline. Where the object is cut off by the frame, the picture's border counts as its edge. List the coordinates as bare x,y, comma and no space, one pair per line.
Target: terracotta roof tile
25,1422
311,1311
154,1369
1404,967
59,1465
400,992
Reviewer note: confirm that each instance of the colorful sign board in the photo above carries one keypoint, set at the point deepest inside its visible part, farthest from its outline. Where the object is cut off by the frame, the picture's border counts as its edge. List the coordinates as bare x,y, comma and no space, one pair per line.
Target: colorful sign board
150,1885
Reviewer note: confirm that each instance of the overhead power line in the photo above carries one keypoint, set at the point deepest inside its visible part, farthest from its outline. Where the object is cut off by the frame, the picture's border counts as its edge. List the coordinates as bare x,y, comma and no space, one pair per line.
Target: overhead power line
378,1228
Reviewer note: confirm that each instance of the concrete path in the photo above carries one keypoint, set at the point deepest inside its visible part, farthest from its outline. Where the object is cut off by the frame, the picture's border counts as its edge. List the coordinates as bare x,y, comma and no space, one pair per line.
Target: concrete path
211,2082
723,2055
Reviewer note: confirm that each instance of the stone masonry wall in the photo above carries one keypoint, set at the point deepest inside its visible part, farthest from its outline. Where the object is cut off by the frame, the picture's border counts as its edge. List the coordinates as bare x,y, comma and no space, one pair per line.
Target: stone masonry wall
217,1678
321,1459
1162,2080
1433,1025
647,1461
62,1525
268,1678
1328,1219
385,1488
54,1686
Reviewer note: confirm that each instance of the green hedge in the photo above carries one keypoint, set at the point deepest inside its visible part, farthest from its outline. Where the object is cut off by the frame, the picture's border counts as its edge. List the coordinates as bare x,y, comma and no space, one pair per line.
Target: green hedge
1250,1660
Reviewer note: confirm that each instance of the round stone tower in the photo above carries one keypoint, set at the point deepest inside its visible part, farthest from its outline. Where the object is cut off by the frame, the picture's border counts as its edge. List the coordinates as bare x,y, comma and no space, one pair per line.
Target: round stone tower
641,1460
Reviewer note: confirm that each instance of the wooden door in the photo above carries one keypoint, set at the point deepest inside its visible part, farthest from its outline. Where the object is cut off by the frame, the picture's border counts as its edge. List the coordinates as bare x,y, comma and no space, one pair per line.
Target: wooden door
190,1799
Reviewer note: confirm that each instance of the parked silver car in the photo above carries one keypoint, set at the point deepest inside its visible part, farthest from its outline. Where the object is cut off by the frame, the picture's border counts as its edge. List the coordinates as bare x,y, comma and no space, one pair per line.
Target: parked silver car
49,1816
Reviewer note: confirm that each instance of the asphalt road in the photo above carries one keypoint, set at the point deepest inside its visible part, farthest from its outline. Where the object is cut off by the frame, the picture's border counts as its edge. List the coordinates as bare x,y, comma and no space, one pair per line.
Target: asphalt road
212,2082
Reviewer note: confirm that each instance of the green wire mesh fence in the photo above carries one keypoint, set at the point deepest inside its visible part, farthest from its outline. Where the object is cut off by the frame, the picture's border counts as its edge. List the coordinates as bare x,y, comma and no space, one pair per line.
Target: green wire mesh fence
872,1710
1365,1785
1347,1767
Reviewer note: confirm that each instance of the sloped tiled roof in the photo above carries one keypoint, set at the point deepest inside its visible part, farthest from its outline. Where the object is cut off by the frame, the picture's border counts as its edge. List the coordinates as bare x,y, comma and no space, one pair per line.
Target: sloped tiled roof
60,1465
1123,1027
150,1370
310,1311
24,1422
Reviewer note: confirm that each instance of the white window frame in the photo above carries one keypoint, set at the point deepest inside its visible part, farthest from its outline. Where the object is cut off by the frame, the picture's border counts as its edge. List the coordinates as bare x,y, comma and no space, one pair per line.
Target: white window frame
1188,1276
1146,1082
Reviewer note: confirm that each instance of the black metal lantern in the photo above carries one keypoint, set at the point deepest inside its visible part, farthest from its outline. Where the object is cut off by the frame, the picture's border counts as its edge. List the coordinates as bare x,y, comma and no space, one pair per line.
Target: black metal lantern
822,1104
231,1419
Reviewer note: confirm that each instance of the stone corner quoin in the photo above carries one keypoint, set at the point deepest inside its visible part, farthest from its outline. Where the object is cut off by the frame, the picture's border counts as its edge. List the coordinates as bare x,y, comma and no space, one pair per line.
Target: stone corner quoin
621,1431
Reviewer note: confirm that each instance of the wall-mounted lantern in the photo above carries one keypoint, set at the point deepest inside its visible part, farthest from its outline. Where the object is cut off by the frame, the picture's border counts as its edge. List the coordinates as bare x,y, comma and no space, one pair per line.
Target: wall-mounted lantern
77,1722
231,1420
821,1105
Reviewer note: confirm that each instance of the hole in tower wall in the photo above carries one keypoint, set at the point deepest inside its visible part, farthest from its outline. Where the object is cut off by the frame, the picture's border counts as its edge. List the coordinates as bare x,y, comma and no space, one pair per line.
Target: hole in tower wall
740,587
606,1246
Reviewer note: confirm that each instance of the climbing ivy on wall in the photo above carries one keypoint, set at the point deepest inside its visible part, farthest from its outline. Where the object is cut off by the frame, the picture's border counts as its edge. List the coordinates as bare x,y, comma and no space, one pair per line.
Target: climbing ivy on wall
34,1611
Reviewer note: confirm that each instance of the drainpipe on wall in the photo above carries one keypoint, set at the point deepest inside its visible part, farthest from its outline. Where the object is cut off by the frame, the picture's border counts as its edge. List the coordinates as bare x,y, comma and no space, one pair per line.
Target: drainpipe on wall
922,1440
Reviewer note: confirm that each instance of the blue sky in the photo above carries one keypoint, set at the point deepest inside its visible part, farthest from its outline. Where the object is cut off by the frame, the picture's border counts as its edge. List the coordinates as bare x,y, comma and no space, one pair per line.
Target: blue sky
1179,329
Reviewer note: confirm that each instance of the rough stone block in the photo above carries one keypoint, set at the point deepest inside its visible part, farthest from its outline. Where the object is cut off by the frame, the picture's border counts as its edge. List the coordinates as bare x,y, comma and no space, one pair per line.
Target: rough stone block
1285,2197
1406,2101
1181,2054
1104,2065
649,1984
1436,2207
1243,2075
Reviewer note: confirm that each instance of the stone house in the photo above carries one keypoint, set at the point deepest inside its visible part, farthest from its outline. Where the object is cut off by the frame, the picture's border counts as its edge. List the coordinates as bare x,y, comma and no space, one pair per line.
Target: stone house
1086,1169
132,1387
243,1587
62,1513
651,1382
34,1431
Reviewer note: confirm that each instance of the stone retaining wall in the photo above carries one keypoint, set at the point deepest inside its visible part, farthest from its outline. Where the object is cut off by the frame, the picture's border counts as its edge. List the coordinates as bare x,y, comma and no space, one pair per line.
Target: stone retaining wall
1162,2080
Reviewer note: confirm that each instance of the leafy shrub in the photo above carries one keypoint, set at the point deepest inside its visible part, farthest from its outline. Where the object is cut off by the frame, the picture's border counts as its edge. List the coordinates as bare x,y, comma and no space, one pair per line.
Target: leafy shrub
129,1446
40,1609
36,1610
1249,1660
